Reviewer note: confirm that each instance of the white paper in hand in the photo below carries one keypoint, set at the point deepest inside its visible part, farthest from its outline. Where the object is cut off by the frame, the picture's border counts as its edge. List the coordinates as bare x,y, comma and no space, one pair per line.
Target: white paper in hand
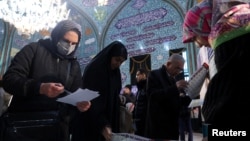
195,103
78,96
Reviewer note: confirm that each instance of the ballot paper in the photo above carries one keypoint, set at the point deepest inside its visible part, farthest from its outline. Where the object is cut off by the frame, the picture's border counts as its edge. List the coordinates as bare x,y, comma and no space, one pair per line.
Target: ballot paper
196,81
195,103
78,96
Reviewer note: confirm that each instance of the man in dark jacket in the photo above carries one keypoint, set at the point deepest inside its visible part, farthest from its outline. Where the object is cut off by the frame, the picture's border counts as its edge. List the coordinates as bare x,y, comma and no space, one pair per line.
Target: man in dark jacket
127,93
39,74
185,125
140,109
163,100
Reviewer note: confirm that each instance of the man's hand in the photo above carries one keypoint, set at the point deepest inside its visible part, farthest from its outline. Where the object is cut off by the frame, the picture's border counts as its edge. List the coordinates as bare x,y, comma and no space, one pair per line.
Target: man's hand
182,84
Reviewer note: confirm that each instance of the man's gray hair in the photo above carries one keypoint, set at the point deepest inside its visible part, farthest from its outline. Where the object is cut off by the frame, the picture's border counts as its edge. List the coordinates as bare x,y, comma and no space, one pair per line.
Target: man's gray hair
176,57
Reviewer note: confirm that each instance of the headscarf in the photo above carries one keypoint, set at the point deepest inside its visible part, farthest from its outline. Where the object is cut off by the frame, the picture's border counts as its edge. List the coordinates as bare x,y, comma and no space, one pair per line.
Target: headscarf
234,22
221,6
197,22
62,27
115,48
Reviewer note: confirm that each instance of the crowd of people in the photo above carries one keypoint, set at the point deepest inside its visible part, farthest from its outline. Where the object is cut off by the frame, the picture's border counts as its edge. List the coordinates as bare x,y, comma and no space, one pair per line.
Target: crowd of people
45,70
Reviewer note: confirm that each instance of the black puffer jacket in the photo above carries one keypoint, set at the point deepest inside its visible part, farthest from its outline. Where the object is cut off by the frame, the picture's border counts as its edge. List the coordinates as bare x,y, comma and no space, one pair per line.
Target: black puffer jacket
140,111
141,101
34,64
27,71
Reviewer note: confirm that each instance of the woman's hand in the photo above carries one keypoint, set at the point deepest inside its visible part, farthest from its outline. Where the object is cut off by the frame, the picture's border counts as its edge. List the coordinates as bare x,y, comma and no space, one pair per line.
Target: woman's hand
107,133
51,89
83,105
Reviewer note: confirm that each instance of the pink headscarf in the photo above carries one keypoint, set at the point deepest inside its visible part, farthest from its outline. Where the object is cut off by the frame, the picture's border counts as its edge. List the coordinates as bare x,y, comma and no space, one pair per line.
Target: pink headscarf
197,22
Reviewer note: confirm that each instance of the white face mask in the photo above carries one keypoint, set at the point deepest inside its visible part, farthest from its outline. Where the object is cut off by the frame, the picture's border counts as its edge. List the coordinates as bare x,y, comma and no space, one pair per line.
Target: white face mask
64,48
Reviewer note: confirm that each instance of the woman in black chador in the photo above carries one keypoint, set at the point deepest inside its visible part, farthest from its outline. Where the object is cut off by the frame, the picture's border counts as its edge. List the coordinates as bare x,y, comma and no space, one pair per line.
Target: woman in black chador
102,74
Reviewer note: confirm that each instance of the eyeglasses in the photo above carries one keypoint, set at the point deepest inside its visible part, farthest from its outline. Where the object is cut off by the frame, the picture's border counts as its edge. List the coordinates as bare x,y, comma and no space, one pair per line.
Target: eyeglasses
69,42
179,69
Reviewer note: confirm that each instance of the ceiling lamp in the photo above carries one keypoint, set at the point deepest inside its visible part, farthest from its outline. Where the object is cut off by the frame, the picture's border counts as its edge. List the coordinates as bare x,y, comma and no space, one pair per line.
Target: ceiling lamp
30,16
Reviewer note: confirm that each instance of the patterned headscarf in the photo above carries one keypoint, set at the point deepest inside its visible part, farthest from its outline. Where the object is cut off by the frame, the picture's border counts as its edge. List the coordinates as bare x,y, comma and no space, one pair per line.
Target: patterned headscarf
233,23
197,22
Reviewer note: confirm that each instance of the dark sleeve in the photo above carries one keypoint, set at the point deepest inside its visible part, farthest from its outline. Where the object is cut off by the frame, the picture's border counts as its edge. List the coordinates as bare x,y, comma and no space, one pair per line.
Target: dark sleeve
76,83
186,101
15,79
77,79
158,89
96,80
133,98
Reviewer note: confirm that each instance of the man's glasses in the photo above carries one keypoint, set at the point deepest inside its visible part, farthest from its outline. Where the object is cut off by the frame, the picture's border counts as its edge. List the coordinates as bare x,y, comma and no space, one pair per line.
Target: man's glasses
180,70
